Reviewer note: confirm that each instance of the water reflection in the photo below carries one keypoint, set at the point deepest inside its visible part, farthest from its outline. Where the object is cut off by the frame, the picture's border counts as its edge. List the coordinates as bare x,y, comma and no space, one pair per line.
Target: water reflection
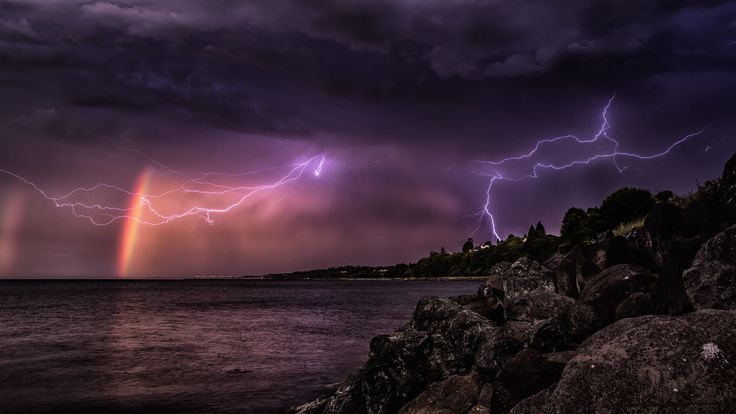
220,346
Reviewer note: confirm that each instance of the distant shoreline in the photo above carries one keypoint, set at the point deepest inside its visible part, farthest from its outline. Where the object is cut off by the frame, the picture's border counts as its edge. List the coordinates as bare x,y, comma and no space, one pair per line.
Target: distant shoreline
384,279
247,278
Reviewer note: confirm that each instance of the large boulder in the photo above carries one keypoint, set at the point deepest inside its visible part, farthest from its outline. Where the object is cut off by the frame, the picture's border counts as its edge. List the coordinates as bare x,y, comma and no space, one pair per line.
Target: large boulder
347,399
583,262
668,242
508,280
486,306
576,267
545,335
539,305
637,304
526,276
454,395
401,365
554,261
485,396
579,322
525,374
621,291
536,403
535,320
493,286
652,364
668,295
495,349
463,329
607,290
711,281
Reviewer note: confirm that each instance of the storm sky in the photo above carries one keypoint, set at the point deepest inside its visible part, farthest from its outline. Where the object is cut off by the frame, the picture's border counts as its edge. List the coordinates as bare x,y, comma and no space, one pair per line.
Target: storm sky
399,96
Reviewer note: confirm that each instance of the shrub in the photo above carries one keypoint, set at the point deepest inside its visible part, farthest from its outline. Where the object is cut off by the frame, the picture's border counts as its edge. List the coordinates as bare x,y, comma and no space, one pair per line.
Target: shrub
625,229
625,205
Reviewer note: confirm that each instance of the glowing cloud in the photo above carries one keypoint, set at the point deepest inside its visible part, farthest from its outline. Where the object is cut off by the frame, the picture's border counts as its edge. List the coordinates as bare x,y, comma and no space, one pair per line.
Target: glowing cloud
102,213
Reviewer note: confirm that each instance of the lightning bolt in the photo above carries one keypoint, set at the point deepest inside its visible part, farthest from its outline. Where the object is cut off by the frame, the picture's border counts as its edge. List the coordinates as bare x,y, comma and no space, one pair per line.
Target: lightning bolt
101,214
612,152
318,170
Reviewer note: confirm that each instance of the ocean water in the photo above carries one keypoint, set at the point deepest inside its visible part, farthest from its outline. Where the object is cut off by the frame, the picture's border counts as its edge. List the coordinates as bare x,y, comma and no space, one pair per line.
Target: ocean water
191,346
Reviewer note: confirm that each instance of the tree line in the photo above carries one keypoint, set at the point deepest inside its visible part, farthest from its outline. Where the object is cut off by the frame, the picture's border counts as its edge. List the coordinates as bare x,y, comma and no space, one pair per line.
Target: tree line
619,213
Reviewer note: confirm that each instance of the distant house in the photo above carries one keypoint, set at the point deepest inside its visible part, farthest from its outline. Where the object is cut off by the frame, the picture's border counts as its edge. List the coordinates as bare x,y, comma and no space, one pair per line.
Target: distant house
479,248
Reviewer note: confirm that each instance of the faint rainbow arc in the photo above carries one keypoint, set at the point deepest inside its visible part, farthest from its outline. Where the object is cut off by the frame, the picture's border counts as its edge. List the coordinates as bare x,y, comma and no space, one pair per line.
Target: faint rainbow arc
11,215
131,228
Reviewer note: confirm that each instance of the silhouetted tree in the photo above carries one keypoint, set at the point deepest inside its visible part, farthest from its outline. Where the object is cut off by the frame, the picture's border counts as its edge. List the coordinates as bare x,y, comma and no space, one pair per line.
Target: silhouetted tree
535,232
595,222
468,246
625,205
399,270
575,228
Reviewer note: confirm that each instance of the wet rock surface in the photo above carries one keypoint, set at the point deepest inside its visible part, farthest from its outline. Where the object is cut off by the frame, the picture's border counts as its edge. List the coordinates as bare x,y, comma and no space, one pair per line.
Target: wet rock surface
454,395
606,291
653,364
463,329
525,374
401,365
711,281
539,305
534,404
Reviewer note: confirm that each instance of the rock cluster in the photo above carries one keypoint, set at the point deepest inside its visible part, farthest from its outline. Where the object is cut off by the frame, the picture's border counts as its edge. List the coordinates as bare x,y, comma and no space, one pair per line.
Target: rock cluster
643,323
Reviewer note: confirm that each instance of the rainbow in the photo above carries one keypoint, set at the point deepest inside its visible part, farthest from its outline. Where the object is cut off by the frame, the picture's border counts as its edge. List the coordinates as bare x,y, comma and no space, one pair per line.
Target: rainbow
129,237
11,215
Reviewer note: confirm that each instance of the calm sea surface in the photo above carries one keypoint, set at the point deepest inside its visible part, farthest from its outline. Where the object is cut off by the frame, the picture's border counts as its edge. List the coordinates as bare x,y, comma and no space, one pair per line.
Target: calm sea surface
190,346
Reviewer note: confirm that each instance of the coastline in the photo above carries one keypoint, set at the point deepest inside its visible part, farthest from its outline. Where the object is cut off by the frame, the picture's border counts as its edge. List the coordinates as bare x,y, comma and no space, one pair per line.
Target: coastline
564,335
385,279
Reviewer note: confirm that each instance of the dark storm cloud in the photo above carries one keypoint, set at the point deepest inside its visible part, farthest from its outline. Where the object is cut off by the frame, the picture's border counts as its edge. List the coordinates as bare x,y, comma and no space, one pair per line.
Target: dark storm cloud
477,39
224,59
306,68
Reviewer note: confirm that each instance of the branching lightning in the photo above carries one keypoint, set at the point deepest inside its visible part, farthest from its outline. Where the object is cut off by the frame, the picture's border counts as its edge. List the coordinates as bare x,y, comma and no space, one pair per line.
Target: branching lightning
102,214
611,151
214,198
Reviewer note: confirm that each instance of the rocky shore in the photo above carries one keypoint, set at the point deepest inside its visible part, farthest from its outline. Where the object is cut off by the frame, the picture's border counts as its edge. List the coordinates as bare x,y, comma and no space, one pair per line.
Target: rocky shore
642,323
